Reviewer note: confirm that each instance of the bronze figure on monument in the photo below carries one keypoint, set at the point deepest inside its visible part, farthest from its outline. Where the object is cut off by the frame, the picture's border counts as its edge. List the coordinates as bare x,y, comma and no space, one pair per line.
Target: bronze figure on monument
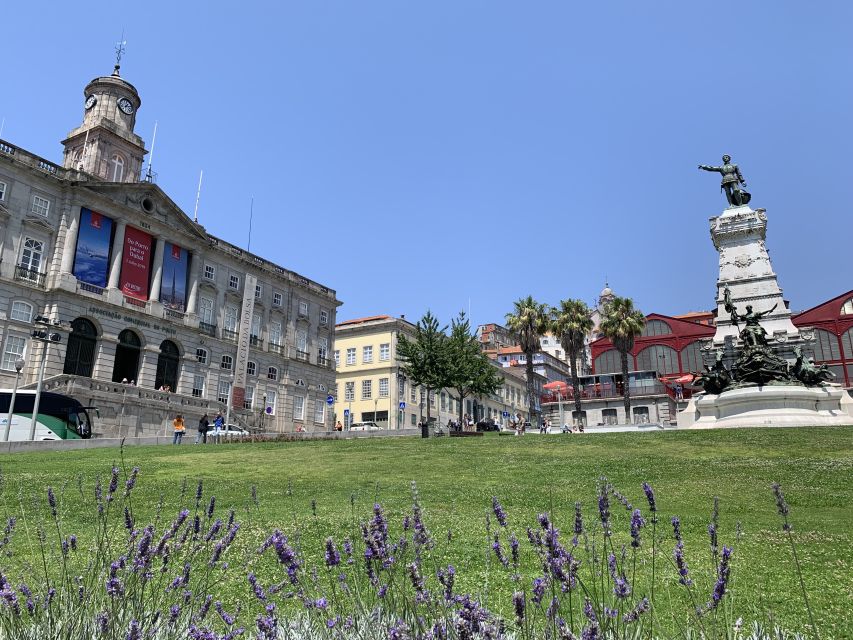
731,183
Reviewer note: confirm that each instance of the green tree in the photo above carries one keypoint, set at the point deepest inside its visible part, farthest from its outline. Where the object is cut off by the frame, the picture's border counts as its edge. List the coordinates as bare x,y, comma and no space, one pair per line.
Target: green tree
471,371
425,357
622,323
571,323
527,322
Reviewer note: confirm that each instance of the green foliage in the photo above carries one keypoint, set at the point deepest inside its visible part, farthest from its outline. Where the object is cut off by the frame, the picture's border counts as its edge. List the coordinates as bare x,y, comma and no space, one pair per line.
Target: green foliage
425,358
622,323
528,322
571,322
470,370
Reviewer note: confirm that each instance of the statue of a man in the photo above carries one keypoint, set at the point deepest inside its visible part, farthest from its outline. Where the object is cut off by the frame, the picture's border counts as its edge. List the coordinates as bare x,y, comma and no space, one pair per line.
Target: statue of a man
731,182
753,334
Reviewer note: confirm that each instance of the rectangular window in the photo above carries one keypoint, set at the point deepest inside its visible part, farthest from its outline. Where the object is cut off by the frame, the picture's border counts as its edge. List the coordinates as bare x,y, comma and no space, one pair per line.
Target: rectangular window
412,421
412,397
2,190
201,355
259,292
275,333
223,391
234,281
319,411
40,206
227,363
271,398
335,391
367,355
303,309
249,397
443,401
272,373
337,358
231,319
366,389
383,387
385,352
349,391
351,355
209,272
324,317
256,329
251,368
401,388
31,255
15,346
276,299
301,340
198,386
206,310
322,349
298,407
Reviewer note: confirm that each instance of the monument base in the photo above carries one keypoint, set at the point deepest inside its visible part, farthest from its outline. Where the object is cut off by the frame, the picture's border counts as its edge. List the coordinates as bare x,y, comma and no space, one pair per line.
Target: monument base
768,406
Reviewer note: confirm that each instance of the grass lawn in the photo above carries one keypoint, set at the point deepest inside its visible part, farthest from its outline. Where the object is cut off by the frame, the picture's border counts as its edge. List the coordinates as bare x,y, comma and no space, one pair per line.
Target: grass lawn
457,477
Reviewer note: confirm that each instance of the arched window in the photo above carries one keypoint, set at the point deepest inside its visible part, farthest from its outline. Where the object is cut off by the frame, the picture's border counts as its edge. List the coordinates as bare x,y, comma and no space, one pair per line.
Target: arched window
117,165
826,346
656,328
126,364
22,311
608,362
227,362
167,366
691,358
658,357
847,341
847,308
80,354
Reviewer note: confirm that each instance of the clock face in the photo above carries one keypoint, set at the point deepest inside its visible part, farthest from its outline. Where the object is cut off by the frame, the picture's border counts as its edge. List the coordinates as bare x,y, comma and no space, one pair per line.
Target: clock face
125,105
91,101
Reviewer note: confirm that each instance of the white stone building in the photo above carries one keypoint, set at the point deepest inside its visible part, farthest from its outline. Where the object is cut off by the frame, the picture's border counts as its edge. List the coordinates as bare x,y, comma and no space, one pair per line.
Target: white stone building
144,294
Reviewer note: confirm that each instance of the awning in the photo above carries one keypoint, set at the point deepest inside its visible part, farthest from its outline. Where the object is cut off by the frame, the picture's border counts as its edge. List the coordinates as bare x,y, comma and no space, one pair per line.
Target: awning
557,385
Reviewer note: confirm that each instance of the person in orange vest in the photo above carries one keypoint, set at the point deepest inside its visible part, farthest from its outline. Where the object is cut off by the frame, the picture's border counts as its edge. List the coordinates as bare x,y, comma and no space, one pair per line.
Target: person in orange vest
178,423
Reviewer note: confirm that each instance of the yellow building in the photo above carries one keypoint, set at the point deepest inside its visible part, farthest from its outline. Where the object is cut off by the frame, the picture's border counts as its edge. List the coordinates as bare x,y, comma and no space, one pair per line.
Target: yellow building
371,386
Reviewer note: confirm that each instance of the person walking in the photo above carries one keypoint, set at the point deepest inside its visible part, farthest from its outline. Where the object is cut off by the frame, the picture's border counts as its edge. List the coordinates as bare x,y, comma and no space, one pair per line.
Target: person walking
178,424
203,425
218,424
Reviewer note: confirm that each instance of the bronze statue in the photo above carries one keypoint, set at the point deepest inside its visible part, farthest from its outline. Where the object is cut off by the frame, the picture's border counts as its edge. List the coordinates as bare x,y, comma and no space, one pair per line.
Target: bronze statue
716,378
731,182
753,334
806,372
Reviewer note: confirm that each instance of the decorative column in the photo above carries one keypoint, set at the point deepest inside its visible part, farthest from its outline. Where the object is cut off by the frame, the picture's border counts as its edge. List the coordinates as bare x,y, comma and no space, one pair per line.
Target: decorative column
154,294
70,243
118,251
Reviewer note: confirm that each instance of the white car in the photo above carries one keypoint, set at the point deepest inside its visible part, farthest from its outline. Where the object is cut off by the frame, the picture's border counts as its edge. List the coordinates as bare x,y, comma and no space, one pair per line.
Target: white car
230,430
365,426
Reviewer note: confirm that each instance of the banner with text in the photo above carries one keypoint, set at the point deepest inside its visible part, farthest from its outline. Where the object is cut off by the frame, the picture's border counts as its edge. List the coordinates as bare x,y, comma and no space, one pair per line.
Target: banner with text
173,289
136,263
92,259
243,340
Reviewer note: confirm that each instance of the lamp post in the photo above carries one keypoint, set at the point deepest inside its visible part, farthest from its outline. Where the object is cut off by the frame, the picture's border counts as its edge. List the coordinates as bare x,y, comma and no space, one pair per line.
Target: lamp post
46,338
19,364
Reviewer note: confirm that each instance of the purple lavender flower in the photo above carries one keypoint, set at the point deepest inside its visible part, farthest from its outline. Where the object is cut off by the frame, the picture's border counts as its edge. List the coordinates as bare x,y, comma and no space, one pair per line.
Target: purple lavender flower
134,632
128,520
496,547
604,509
226,618
650,496
113,484
214,529
131,481
578,523
513,546
51,500
382,591
621,588
623,500
588,611
174,612
781,506
632,616
637,522
544,522
102,622
722,578
257,588
446,578
73,541
333,557
114,588
538,589
676,528
210,507
198,492
519,604
65,547
678,554
500,514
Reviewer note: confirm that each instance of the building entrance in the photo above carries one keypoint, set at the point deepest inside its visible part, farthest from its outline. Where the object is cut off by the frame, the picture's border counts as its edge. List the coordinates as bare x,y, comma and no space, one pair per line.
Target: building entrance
80,355
167,366
126,365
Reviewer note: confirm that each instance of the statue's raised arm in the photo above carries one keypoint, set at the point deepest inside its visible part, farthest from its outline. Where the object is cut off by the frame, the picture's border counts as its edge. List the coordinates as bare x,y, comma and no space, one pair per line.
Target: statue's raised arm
707,167
761,314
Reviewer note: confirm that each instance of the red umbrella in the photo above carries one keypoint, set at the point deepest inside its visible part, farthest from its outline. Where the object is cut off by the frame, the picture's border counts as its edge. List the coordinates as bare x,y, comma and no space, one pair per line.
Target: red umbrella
557,385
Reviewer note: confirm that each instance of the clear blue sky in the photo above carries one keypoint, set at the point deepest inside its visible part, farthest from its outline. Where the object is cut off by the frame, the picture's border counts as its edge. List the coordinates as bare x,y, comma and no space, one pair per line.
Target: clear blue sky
416,155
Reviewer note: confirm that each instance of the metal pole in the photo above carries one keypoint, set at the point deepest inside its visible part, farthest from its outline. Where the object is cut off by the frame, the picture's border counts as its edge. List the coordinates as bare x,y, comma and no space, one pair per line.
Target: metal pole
12,404
560,402
227,412
38,390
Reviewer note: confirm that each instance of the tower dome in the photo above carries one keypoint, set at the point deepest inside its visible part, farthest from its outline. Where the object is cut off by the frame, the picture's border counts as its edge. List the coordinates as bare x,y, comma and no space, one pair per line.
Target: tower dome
105,145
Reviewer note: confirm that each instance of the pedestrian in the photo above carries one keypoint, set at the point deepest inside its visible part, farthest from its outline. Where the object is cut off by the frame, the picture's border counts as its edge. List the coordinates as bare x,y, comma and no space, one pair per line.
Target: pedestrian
203,424
679,392
339,426
178,423
218,424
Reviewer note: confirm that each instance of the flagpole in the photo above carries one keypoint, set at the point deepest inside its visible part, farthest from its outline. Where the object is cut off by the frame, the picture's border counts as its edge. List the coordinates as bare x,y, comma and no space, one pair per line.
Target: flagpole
198,196
148,176
251,211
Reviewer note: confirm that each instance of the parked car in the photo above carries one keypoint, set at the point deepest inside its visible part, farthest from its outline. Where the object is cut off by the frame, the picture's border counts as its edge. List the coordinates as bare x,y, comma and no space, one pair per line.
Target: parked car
487,425
365,426
231,431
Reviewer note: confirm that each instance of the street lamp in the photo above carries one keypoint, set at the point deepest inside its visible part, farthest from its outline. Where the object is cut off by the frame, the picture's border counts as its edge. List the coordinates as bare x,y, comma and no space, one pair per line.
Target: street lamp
19,364
46,338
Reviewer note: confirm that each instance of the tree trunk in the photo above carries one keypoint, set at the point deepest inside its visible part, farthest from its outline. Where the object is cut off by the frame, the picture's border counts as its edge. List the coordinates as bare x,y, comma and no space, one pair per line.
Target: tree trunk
626,388
531,402
461,407
425,428
576,382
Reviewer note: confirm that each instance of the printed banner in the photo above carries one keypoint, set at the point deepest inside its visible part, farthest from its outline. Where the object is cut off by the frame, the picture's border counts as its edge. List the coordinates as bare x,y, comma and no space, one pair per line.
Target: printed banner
136,263
173,288
92,259
243,340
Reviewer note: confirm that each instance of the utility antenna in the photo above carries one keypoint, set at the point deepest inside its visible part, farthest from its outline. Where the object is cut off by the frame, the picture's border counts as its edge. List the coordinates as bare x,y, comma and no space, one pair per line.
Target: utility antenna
120,48
198,196
148,175
2,126
251,211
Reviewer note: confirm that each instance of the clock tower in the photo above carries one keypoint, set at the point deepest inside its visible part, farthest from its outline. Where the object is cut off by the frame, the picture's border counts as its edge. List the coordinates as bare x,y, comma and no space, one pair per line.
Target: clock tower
105,146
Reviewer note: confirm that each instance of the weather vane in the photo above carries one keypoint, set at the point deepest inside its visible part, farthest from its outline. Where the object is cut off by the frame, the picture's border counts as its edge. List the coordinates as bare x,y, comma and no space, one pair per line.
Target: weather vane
120,49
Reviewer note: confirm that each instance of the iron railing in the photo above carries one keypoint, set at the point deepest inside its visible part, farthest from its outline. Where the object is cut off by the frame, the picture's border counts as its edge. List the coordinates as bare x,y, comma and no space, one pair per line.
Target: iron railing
30,275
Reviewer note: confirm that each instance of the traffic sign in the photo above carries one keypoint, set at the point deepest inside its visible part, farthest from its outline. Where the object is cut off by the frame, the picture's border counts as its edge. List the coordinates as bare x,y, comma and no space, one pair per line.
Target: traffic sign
402,406
269,409
330,400
346,413
505,414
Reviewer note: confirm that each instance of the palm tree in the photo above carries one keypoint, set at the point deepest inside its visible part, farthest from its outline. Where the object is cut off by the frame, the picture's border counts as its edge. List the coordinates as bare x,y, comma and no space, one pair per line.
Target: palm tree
571,323
622,323
527,323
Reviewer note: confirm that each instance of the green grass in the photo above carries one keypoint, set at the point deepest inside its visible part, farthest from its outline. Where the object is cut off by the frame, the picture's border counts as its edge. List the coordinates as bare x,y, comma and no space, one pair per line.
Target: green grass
457,477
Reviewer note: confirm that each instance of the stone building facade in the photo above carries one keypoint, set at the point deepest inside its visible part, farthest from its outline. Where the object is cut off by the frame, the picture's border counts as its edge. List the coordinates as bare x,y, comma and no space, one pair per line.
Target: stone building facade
144,294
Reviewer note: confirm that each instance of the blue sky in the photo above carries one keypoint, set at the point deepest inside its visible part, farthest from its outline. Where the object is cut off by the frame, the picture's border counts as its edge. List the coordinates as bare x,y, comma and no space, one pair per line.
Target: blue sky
416,155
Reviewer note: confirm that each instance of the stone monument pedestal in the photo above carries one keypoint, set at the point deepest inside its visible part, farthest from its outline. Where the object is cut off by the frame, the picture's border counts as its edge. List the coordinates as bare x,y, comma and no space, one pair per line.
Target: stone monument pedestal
768,406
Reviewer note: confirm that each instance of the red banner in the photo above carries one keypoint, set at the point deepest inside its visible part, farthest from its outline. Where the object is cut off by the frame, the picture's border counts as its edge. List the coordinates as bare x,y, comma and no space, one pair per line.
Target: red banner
136,263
